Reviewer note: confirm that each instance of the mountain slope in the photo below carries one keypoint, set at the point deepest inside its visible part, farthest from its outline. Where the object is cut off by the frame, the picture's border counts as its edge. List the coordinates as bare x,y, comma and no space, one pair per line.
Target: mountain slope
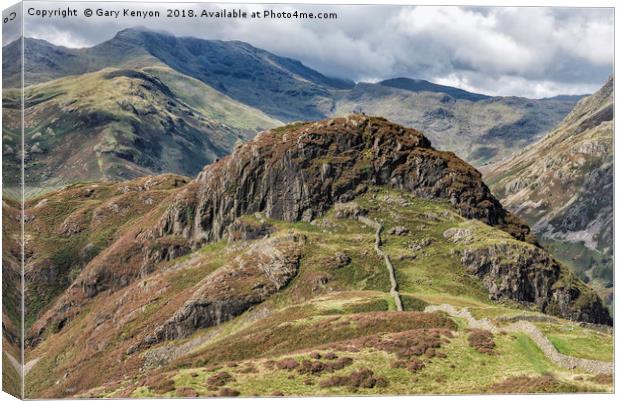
281,87
563,185
11,297
278,86
478,129
125,123
338,301
274,252
212,103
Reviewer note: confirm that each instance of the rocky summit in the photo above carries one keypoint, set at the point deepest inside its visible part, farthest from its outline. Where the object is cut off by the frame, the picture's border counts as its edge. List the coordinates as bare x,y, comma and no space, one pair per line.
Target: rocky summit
281,262
299,171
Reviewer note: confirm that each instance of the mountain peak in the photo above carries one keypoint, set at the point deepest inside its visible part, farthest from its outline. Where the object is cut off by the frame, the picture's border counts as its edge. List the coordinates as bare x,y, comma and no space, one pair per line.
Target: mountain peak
354,151
140,32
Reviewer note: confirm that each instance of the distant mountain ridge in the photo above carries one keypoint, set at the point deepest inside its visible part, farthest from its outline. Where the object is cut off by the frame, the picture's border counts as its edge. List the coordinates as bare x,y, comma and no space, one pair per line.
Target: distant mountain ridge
246,90
478,129
420,85
241,71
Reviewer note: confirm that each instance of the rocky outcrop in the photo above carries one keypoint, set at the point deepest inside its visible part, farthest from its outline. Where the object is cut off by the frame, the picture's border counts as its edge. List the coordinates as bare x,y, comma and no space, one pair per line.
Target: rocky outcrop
296,173
299,171
244,230
458,235
528,274
249,279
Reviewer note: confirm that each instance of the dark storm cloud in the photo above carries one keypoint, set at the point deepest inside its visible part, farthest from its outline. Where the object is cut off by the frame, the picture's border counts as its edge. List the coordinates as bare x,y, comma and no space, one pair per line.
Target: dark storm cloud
532,52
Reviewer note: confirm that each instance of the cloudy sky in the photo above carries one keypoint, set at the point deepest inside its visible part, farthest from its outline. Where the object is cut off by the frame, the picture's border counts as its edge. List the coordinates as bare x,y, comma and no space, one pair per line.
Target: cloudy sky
532,52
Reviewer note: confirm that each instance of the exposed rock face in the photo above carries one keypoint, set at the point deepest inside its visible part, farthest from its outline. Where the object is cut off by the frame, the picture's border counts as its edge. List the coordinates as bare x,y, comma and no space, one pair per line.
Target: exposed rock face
298,172
458,235
527,274
247,280
246,230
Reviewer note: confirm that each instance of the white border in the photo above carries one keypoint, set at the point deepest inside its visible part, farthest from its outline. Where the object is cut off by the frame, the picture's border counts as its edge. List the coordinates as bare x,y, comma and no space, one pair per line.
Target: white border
525,3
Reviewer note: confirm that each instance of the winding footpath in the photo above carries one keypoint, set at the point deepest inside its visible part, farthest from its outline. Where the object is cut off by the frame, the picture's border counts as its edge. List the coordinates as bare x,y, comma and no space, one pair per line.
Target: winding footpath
548,349
388,262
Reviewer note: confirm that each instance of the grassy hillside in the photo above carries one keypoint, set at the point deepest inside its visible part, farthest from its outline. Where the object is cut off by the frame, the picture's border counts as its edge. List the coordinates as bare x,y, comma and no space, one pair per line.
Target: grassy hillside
213,103
337,306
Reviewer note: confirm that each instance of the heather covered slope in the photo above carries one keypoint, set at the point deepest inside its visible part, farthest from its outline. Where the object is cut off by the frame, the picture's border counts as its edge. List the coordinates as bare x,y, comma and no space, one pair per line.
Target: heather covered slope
563,184
11,298
273,253
69,227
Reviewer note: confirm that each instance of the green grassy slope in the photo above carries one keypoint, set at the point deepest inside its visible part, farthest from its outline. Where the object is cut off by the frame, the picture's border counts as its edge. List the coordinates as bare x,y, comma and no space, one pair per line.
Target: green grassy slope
125,123
213,103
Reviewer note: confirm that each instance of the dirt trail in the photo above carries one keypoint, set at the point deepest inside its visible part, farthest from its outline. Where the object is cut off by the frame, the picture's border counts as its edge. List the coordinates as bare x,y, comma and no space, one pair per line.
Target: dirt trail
388,262
564,361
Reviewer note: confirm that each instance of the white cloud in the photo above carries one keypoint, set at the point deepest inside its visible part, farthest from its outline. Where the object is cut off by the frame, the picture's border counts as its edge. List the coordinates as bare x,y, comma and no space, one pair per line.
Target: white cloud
472,39
61,38
515,86
592,40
